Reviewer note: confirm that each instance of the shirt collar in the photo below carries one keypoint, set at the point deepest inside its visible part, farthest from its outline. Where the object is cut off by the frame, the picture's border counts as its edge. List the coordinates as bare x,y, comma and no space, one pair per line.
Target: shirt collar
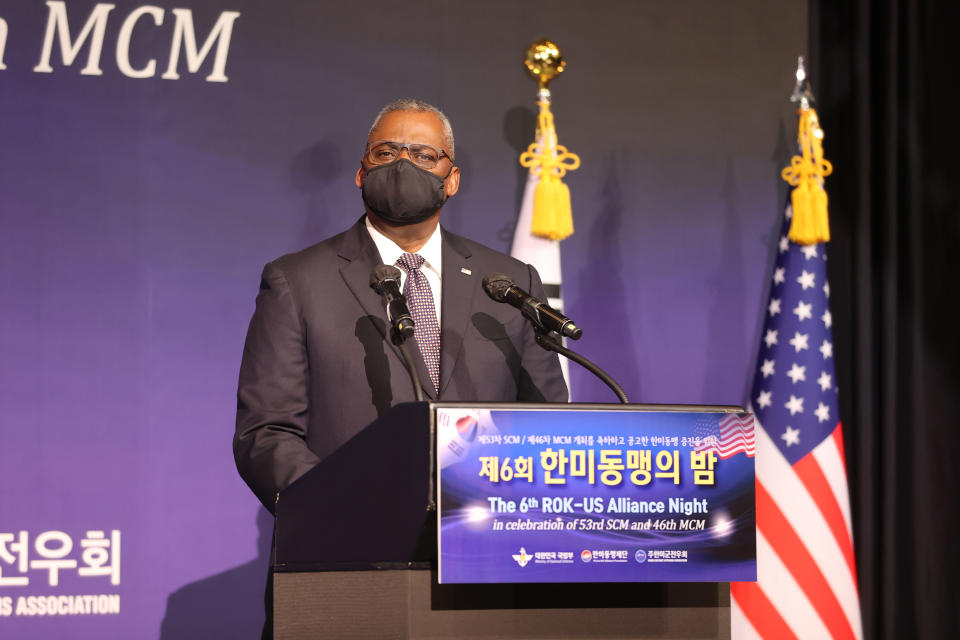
390,252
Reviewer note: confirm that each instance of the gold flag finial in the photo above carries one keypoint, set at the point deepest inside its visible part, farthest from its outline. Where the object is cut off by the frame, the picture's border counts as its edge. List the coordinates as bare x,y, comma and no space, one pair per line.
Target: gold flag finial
552,215
544,62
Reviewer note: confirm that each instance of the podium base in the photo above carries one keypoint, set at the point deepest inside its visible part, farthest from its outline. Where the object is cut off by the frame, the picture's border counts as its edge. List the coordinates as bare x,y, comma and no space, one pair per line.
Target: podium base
410,604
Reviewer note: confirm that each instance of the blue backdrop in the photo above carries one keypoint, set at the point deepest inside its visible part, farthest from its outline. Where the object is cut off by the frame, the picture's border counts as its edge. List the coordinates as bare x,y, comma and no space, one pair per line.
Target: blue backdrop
137,212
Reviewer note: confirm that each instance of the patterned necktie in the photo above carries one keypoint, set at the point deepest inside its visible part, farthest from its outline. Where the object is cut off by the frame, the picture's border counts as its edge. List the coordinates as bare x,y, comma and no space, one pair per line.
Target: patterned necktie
420,297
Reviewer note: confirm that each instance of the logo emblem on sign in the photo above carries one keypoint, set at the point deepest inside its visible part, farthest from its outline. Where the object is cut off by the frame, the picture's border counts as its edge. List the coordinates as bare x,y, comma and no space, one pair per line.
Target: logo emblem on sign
586,556
523,557
640,555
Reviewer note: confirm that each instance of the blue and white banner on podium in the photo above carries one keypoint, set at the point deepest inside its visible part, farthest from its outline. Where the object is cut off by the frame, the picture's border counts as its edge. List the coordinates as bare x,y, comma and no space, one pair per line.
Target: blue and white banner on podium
588,495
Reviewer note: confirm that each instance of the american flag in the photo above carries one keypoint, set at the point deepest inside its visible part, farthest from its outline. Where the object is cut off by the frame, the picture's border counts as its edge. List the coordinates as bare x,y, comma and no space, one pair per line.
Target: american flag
732,434
806,574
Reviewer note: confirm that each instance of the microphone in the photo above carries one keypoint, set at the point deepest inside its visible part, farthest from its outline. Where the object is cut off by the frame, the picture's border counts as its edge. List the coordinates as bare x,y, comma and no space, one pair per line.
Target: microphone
502,288
385,280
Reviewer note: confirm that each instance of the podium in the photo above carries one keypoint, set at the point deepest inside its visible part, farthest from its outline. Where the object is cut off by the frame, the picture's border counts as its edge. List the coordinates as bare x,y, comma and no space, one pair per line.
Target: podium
356,549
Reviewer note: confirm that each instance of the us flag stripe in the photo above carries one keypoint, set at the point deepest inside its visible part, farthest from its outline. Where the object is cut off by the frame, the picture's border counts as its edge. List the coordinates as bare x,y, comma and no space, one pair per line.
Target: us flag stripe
793,536
784,593
801,565
806,525
832,464
812,477
838,440
764,620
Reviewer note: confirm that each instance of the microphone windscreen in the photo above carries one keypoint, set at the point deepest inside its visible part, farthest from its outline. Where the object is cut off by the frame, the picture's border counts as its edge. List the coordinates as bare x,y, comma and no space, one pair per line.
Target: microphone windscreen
383,272
496,285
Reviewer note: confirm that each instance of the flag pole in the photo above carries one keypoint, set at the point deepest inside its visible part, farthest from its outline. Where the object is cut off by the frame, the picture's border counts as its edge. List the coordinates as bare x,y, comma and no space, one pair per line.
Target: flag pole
545,215
806,583
548,160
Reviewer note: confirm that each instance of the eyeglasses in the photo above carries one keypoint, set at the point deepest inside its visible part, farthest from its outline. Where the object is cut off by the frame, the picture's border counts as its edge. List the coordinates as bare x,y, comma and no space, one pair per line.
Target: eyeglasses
425,156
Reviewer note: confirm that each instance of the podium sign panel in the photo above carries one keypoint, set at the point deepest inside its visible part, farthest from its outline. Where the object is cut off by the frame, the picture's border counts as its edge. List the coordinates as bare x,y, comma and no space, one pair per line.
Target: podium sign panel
595,495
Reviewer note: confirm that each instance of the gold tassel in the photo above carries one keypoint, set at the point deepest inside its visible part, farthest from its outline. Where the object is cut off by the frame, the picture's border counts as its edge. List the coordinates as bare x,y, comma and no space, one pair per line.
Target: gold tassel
552,214
806,172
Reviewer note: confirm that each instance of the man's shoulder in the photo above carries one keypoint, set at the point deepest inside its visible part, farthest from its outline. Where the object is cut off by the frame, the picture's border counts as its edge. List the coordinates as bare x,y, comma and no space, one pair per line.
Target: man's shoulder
320,254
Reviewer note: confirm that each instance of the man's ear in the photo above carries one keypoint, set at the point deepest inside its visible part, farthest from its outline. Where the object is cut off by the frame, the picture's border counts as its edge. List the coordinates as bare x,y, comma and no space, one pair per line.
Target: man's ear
452,184
359,179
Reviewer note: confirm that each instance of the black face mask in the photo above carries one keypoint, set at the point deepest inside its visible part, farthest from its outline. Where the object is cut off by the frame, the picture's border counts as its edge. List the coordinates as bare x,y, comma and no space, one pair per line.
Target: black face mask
403,193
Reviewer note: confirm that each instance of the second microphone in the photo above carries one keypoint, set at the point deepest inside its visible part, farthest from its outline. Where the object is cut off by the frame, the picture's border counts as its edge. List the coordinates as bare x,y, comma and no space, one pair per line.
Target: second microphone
502,288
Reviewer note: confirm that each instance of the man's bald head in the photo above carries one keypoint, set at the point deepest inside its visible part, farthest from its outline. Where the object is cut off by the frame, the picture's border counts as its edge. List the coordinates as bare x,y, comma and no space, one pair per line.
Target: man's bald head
412,104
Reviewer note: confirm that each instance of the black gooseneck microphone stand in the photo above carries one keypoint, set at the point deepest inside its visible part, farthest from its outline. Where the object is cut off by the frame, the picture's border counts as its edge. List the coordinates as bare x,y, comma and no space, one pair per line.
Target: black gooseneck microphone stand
548,342
400,340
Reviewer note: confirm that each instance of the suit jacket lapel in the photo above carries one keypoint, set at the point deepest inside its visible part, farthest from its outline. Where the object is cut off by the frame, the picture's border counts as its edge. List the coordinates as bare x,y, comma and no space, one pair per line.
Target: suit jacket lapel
360,256
460,286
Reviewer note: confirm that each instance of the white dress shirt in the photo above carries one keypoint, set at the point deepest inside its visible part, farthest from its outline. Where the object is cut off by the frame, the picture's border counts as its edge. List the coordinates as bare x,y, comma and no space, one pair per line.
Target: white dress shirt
432,253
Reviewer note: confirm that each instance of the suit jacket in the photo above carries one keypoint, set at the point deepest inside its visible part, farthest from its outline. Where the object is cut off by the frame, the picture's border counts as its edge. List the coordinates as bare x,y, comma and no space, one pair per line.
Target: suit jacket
318,364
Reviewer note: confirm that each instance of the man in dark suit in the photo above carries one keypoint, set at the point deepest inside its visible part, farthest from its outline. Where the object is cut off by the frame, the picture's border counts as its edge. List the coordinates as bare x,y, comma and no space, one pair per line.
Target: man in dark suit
319,365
